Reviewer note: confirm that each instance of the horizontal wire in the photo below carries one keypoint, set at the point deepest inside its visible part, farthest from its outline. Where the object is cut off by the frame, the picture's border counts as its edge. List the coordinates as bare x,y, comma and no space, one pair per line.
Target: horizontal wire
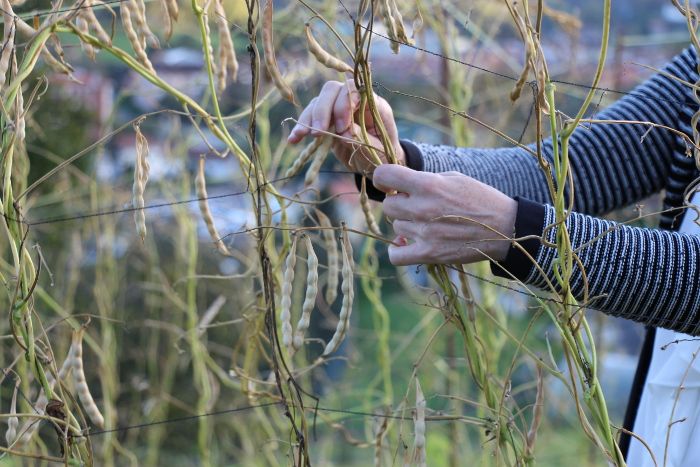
114,211
437,418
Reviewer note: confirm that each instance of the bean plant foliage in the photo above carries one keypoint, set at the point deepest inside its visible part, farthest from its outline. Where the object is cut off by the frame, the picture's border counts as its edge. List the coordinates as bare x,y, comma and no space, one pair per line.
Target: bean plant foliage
158,333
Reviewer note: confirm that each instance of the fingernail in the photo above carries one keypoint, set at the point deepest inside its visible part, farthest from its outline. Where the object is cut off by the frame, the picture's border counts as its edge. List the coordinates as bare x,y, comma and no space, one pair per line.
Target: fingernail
339,125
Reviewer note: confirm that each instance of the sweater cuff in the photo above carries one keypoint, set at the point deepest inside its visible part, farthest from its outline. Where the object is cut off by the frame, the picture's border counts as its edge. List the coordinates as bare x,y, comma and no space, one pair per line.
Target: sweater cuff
414,160
529,221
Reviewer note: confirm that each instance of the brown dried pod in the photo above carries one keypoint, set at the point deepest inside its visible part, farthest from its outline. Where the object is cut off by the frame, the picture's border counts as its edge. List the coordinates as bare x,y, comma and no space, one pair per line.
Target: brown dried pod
269,53
201,187
323,57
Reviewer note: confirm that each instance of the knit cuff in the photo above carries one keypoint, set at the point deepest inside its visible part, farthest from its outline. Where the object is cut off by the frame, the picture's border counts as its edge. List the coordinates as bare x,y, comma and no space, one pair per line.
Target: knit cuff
529,222
414,160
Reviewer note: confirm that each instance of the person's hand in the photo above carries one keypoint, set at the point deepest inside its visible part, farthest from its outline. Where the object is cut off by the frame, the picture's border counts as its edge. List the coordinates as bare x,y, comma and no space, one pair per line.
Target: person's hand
445,218
335,110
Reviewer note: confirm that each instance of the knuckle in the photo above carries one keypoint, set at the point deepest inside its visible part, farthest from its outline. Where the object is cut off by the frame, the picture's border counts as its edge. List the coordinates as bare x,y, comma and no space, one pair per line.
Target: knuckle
329,85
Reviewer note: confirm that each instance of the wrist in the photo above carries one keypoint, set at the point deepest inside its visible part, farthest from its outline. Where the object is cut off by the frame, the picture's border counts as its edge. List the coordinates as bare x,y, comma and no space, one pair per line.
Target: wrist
506,228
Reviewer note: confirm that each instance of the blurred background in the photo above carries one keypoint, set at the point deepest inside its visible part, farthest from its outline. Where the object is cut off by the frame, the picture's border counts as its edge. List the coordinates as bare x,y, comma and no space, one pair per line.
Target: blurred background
146,298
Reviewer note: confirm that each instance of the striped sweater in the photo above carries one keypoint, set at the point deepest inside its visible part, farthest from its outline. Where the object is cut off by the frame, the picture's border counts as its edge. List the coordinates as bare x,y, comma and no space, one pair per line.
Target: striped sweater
647,275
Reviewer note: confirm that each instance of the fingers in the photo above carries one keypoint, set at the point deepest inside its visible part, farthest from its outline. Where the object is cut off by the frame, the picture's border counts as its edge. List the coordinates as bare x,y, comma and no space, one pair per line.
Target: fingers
398,206
301,129
344,107
323,110
392,177
413,253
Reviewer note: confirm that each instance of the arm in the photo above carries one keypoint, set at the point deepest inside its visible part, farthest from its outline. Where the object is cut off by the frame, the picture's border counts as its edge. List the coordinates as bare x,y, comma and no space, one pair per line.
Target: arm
646,275
613,165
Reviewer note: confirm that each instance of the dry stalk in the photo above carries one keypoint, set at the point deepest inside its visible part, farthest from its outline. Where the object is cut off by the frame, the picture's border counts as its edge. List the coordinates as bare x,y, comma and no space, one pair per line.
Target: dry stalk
201,187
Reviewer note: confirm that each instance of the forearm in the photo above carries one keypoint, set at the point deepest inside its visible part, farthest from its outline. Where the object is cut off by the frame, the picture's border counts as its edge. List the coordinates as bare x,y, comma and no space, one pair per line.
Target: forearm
646,275
613,164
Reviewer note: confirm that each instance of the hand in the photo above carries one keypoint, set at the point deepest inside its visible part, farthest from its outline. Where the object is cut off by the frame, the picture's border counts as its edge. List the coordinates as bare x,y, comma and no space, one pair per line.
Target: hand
446,218
335,110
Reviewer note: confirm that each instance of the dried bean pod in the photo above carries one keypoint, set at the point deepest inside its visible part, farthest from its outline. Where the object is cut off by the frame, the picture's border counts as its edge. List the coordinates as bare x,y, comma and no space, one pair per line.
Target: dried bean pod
318,160
398,22
138,8
348,290
323,57
419,427
201,186
331,248
81,386
305,156
372,225
269,52
228,64
82,26
390,25
311,293
8,40
13,421
141,171
89,15
134,39
286,300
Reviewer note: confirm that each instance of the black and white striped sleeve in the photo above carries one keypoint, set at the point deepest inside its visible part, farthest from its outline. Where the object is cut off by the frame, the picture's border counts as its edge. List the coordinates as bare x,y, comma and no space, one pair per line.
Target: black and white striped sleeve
613,165
646,275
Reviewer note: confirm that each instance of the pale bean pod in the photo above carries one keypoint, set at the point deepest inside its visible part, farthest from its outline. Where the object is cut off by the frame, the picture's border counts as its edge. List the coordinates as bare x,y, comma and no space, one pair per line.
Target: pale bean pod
81,25
81,386
139,16
419,427
331,247
201,188
372,224
305,156
311,293
228,63
134,39
141,172
348,290
318,159
323,57
269,55
8,40
94,23
286,300
13,421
